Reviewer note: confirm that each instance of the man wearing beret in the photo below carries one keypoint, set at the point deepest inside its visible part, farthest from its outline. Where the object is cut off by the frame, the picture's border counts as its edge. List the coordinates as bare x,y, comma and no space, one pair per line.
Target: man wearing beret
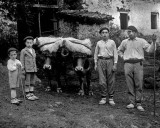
28,60
131,51
105,58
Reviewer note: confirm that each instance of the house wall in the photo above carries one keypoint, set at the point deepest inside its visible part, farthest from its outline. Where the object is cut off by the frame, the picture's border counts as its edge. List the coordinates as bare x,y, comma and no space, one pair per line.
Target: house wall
78,30
65,29
139,14
88,31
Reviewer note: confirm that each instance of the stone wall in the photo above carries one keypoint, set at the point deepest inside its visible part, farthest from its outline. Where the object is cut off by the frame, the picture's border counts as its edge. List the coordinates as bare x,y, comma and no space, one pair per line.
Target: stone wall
78,30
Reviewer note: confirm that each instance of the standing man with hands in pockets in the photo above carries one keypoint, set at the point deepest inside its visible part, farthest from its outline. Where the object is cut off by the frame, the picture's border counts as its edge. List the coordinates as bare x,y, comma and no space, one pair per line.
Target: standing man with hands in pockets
105,58
132,52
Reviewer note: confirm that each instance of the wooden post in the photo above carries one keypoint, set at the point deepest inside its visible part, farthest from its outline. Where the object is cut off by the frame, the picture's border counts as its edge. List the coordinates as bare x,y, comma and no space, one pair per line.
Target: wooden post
154,83
39,20
154,38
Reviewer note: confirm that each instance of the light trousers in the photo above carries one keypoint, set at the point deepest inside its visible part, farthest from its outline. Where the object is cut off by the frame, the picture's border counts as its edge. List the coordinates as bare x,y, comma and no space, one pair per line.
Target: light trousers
134,79
106,77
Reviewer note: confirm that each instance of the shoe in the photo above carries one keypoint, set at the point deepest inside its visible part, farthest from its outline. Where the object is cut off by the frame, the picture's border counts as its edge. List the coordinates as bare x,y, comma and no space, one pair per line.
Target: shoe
29,97
111,102
102,101
35,97
15,101
130,106
48,89
20,101
140,108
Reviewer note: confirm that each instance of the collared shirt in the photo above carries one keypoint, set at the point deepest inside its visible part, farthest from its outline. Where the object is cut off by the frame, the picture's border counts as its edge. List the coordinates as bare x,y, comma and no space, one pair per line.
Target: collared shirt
134,49
106,49
12,64
30,50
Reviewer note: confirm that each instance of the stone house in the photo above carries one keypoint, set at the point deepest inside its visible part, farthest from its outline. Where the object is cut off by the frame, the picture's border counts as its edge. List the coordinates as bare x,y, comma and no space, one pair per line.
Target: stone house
82,23
144,14
85,23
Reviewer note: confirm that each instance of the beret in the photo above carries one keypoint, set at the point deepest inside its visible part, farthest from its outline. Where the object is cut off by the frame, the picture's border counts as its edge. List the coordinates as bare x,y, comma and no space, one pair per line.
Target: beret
104,28
28,37
12,49
132,28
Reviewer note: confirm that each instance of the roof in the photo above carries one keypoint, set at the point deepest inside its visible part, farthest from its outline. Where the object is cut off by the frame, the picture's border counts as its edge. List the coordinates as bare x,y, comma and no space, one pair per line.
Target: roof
85,16
44,6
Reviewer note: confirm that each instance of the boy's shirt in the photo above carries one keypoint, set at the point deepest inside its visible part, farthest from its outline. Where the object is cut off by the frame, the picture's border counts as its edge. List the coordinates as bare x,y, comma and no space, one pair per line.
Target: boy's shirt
106,49
28,60
30,49
12,64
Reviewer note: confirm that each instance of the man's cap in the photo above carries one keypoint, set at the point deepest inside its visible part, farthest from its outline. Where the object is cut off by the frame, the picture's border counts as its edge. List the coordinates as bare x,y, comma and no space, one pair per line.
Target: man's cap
132,28
12,49
104,28
28,37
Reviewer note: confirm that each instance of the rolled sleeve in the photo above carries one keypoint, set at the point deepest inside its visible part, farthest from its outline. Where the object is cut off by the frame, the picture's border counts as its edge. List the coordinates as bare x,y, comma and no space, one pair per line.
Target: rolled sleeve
96,53
115,54
121,49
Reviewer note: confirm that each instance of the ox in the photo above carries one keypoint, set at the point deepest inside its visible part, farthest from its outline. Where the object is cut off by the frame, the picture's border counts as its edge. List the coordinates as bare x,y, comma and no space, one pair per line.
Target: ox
61,52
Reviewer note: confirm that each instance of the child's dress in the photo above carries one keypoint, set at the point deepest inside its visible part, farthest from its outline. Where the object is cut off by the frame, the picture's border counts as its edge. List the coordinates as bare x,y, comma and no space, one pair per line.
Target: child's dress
13,72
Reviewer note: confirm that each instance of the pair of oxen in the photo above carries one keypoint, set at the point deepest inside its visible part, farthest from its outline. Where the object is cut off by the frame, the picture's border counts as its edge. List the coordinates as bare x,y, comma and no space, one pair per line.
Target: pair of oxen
60,53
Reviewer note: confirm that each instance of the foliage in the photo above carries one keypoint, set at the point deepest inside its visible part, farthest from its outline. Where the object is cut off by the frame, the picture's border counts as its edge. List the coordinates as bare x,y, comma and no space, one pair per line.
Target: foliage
116,33
8,32
8,27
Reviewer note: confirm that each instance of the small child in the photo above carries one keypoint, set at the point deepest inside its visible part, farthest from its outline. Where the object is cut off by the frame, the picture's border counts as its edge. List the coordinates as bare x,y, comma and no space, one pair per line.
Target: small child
13,66
28,60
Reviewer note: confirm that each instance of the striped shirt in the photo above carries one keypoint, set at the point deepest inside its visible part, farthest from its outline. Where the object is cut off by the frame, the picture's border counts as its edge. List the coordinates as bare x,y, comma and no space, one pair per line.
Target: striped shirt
106,49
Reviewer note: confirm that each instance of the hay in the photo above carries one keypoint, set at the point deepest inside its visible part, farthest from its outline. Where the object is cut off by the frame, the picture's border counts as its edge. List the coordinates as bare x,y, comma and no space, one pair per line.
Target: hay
52,44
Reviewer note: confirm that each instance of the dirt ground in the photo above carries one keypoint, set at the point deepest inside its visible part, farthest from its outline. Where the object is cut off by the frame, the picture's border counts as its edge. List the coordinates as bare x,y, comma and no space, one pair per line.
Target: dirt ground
68,110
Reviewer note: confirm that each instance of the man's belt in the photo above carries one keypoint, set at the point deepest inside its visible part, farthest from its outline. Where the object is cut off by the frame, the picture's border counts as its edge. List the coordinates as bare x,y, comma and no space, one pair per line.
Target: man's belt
133,61
105,58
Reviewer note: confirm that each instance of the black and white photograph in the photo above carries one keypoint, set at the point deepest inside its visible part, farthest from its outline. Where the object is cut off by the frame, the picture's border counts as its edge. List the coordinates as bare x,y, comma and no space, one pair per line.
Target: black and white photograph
79,63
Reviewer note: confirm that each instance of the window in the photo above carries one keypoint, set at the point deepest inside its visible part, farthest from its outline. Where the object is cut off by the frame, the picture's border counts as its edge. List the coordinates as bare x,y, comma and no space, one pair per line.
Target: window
124,20
49,22
154,20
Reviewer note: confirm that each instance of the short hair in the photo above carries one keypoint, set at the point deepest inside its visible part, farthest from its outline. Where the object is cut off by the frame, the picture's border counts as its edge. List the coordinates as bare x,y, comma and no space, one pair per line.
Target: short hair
132,28
28,37
104,28
12,49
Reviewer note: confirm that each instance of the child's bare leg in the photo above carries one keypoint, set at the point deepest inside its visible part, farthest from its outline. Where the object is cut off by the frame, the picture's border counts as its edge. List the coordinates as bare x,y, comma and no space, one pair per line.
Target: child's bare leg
32,92
13,93
27,86
14,96
32,84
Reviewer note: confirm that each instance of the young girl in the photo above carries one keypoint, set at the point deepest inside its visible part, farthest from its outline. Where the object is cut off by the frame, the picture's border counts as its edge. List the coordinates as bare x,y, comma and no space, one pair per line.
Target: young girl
13,66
